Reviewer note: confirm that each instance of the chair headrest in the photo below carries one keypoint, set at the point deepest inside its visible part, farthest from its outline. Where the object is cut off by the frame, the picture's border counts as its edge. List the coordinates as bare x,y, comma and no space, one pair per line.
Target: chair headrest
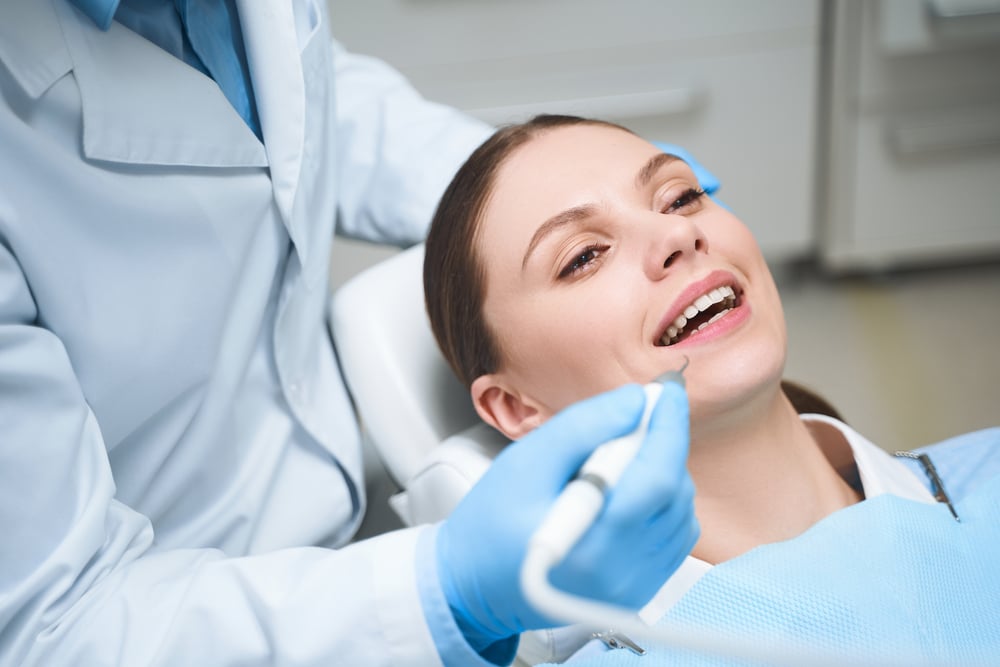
406,396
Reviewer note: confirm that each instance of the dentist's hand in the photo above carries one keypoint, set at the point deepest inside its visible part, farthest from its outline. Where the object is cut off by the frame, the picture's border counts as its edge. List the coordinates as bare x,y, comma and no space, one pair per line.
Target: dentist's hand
706,179
642,535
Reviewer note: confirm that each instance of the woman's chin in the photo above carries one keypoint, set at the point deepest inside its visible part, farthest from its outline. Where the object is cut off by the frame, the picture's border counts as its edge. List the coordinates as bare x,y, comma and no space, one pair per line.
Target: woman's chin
732,397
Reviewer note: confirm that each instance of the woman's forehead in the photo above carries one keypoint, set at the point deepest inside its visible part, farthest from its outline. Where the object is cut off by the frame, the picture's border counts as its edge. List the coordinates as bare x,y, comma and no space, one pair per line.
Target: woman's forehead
578,145
564,163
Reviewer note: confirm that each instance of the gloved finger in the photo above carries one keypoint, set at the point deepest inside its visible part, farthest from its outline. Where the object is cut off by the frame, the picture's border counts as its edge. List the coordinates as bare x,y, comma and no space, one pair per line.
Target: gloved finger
674,523
628,528
650,572
627,565
681,541
645,496
708,181
665,448
655,478
676,506
548,457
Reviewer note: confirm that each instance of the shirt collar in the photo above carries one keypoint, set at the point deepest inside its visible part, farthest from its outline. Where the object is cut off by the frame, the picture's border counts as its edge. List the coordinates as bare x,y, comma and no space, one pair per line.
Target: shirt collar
100,11
880,471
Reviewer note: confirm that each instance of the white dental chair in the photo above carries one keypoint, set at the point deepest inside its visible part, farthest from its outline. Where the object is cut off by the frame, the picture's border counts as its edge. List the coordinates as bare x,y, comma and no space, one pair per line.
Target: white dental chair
415,413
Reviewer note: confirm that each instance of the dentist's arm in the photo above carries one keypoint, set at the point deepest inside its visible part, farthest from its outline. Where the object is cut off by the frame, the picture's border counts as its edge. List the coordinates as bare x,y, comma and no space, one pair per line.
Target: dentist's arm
81,582
397,150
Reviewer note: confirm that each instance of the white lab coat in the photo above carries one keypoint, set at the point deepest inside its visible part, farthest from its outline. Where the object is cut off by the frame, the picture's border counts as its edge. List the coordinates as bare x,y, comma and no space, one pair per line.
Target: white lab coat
169,397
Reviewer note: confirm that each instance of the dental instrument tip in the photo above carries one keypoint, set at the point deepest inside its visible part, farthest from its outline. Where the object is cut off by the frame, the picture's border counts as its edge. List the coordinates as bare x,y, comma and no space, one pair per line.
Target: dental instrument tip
675,375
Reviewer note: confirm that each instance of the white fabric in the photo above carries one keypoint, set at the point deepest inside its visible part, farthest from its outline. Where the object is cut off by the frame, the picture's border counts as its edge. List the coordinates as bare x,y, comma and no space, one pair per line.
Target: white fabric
169,396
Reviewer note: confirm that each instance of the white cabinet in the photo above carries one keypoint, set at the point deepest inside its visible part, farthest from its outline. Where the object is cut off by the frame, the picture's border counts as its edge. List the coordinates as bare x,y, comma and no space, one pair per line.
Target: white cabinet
734,82
913,150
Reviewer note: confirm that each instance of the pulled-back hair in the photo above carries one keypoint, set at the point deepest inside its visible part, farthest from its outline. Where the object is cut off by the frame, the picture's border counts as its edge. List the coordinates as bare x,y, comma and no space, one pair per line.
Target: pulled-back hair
454,275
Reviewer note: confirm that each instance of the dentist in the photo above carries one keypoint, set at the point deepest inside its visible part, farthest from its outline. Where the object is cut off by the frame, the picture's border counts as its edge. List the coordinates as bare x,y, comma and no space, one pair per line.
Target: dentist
180,466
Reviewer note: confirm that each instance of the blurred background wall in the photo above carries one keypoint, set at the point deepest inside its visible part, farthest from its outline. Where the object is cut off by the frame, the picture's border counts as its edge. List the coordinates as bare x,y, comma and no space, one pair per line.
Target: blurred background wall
860,140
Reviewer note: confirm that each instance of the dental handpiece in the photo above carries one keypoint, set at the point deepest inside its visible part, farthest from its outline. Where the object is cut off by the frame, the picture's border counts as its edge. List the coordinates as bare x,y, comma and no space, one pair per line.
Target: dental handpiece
580,502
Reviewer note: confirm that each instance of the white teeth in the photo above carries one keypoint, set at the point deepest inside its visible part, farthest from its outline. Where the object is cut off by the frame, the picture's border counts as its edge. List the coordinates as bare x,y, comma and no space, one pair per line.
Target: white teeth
716,316
702,303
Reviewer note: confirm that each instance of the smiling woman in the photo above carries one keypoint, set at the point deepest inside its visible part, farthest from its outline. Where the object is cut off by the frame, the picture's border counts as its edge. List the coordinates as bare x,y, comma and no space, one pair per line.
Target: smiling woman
569,256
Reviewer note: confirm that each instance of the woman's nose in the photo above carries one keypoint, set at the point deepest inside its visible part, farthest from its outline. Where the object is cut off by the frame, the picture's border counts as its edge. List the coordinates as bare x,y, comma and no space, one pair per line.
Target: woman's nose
673,239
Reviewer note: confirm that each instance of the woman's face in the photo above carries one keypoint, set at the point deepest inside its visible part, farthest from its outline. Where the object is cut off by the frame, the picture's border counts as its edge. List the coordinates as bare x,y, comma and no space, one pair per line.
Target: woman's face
596,247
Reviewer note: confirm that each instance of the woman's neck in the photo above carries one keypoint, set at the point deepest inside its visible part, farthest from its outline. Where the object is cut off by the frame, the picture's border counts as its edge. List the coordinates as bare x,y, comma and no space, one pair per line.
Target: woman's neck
761,481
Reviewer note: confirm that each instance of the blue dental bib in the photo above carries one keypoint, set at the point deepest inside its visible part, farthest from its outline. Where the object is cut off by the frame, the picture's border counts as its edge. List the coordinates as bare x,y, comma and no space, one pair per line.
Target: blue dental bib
887,581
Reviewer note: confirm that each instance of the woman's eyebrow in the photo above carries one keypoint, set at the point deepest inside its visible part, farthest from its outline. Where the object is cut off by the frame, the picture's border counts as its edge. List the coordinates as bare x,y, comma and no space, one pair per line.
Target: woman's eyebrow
649,170
570,215
584,211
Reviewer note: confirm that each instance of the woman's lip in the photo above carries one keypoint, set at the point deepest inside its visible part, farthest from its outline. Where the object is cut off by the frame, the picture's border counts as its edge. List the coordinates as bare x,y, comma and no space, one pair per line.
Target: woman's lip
718,278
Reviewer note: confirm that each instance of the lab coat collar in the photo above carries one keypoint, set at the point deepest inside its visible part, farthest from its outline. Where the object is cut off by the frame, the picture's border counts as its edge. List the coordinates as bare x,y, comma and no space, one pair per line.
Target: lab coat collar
31,45
273,50
43,40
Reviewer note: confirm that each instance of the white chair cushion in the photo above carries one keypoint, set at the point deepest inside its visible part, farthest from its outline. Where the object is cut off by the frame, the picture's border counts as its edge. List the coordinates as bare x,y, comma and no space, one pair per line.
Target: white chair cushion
406,396
409,402
449,471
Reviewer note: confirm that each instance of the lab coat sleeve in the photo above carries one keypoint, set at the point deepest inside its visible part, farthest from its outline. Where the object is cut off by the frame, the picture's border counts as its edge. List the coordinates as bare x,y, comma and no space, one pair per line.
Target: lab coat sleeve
81,582
454,649
397,151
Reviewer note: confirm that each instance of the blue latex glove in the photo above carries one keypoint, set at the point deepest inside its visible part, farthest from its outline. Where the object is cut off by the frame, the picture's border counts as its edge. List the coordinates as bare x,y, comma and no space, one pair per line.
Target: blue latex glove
706,179
642,535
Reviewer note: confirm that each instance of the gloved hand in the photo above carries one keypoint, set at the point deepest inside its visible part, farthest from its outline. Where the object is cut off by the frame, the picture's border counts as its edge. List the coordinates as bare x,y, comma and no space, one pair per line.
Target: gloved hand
706,179
639,539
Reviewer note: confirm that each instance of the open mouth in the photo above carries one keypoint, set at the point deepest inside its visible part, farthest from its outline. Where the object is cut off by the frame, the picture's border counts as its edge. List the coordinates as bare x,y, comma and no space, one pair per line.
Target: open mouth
706,309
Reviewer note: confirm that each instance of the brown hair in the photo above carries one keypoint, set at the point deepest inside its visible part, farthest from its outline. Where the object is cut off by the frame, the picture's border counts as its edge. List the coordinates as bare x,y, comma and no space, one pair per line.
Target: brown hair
454,281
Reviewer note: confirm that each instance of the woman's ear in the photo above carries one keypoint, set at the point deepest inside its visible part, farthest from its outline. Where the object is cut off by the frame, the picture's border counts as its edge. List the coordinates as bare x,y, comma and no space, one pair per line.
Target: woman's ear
509,412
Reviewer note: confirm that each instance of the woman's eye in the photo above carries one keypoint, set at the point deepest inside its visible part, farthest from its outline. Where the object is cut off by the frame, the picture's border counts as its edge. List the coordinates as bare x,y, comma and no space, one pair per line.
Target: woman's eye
690,197
582,260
